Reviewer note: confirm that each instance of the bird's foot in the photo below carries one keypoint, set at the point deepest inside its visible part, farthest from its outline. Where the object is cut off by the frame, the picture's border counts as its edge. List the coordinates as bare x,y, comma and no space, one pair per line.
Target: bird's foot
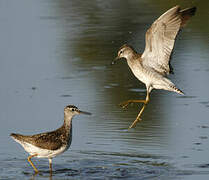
125,104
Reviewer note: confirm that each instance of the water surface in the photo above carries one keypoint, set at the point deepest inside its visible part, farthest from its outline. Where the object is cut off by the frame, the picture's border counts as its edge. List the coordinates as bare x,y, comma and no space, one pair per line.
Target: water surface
55,53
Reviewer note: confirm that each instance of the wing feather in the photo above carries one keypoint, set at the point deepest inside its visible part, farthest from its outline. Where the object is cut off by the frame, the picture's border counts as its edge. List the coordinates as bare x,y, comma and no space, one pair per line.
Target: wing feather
160,38
50,140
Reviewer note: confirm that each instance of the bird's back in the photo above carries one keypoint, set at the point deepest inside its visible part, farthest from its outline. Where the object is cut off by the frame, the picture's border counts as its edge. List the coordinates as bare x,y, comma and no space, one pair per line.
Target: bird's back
50,140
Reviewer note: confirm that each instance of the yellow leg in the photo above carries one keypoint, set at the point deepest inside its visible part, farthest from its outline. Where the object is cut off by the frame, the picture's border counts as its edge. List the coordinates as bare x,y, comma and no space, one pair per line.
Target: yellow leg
140,113
29,160
138,117
50,165
126,103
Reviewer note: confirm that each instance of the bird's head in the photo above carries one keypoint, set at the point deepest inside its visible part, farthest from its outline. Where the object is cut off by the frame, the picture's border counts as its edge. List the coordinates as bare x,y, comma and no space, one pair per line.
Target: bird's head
125,51
72,110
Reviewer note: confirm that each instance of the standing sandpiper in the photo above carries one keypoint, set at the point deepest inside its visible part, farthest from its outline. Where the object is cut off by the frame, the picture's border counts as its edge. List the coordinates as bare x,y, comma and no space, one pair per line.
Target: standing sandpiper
50,144
153,65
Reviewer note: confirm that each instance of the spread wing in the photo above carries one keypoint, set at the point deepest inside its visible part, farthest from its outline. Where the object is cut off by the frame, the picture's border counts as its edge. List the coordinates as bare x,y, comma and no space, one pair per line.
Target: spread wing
160,38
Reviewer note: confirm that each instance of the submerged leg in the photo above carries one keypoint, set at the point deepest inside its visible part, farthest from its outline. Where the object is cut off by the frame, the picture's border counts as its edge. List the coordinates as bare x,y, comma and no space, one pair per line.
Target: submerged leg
140,113
29,160
126,103
50,165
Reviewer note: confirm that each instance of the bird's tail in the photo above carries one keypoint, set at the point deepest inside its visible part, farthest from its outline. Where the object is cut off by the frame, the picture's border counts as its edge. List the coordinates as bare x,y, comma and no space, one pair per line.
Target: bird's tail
169,86
177,90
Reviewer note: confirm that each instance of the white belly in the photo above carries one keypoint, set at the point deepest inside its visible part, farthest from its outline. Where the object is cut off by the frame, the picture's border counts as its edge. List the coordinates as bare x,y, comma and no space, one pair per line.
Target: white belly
147,75
140,74
41,153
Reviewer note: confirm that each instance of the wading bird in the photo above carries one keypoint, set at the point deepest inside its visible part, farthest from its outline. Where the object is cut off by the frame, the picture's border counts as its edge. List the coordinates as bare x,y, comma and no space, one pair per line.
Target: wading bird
50,144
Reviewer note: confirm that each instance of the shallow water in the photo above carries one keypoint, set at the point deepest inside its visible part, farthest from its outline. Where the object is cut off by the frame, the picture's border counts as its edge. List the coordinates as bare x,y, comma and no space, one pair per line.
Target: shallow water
55,53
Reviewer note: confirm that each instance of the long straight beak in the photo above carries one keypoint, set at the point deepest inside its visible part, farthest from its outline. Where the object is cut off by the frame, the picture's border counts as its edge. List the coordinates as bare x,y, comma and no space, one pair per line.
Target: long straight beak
114,61
84,112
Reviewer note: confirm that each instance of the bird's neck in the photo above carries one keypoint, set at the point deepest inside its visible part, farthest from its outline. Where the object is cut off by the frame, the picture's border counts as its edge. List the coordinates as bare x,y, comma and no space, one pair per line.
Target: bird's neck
132,55
66,128
68,121
134,61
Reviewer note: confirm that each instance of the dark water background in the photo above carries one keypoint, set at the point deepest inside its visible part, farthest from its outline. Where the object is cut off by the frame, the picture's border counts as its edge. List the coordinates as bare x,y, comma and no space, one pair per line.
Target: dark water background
54,53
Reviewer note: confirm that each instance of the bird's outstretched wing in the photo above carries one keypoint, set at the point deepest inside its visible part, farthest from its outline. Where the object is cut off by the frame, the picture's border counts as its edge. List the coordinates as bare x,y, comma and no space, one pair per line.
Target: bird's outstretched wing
160,38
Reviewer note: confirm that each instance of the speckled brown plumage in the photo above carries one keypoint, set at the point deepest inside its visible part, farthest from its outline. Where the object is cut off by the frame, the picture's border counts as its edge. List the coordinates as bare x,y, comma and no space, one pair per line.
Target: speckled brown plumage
49,144
49,140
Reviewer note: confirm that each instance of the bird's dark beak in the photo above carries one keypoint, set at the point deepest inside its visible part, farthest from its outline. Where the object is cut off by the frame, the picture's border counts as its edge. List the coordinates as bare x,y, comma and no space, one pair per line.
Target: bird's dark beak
84,112
115,60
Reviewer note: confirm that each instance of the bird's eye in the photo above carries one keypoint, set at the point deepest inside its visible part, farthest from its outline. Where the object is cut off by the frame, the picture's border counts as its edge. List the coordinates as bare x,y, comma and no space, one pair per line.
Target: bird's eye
73,109
121,52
